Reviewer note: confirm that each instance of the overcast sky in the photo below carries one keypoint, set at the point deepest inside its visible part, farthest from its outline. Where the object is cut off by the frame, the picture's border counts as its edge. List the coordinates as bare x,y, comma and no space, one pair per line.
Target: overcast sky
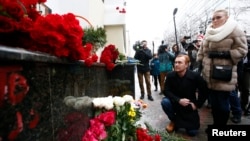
148,19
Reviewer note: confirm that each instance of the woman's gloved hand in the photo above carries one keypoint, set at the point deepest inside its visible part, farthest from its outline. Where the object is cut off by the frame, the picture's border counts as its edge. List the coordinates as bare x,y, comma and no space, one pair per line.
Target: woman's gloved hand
219,54
200,66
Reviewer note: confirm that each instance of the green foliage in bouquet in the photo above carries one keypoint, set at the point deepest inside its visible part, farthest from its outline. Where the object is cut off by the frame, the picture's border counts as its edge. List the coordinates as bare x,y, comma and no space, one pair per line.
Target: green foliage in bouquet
124,127
96,36
165,136
121,56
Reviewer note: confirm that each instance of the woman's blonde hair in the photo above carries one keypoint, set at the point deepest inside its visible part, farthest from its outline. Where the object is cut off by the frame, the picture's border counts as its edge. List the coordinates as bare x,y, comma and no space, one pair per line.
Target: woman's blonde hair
223,11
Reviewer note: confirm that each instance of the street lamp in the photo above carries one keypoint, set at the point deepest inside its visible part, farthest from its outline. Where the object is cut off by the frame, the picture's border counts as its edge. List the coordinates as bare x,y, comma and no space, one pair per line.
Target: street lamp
201,29
175,11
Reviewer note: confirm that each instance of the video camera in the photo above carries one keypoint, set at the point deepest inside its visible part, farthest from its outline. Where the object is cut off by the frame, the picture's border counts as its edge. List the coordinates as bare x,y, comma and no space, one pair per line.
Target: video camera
187,37
137,46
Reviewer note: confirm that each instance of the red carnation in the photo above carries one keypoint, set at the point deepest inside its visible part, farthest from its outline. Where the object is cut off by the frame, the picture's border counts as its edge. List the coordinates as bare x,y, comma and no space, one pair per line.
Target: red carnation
108,56
108,118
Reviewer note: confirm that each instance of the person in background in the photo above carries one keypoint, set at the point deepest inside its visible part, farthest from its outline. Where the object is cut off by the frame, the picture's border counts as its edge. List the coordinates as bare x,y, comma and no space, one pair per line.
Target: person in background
166,64
175,50
143,54
245,89
155,70
184,42
181,101
192,50
224,44
235,104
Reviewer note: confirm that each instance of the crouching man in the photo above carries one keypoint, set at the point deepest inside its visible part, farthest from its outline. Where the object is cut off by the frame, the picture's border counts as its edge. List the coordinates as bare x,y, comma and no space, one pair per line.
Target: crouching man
185,91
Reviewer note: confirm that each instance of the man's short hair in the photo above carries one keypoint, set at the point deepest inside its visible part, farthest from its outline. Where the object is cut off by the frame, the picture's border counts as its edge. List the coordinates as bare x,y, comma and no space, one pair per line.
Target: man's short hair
187,59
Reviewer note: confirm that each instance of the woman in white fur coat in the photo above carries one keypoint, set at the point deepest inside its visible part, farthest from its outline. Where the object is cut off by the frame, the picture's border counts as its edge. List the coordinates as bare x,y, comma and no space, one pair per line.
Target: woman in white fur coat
224,44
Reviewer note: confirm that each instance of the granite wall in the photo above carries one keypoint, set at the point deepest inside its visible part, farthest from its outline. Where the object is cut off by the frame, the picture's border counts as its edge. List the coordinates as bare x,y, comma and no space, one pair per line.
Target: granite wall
33,87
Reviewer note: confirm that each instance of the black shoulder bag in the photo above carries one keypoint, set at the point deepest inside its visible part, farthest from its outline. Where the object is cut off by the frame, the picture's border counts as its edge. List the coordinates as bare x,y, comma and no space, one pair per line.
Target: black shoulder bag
221,72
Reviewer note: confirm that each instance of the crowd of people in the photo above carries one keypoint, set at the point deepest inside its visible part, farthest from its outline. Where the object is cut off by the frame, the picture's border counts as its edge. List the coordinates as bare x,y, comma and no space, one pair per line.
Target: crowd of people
188,78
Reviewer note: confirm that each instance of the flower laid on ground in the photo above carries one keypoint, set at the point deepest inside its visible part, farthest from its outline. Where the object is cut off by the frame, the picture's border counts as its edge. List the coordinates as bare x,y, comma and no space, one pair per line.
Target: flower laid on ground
116,120
74,126
78,103
143,135
109,56
164,136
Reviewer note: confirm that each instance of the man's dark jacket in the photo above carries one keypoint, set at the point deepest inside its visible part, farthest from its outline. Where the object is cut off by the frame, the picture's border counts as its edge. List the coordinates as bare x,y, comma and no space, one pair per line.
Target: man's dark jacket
143,55
186,87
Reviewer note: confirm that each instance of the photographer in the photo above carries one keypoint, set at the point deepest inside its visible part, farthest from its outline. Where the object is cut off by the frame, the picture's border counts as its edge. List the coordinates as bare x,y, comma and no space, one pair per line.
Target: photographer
192,50
143,54
184,42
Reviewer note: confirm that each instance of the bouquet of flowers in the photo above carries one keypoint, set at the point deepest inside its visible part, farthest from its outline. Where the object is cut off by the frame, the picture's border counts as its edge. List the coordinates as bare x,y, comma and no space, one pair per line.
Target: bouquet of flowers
60,35
109,56
116,120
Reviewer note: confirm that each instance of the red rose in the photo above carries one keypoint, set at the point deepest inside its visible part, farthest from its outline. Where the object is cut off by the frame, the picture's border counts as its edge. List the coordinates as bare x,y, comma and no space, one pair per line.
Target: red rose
108,118
7,24
98,129
14,9
142,135
157,137
108,56
89,136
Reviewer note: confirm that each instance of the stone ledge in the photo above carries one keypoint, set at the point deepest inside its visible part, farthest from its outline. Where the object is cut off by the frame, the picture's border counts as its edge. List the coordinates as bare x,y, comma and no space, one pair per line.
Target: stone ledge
20,54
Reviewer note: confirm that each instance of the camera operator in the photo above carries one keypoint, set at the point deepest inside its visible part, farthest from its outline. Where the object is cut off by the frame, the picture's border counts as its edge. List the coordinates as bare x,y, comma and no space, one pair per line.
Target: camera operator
184,42
192,50
143,54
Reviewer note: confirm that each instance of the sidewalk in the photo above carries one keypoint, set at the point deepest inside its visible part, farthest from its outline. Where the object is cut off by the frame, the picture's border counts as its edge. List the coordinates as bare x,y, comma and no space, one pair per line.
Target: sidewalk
155,116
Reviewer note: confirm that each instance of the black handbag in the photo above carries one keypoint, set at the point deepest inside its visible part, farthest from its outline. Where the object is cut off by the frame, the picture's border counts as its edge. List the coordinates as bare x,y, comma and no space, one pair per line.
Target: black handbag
222,72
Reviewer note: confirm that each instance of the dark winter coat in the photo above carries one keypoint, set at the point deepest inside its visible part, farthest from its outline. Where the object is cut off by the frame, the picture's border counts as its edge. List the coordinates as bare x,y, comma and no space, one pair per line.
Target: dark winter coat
186,87
143,55
155,66
192,53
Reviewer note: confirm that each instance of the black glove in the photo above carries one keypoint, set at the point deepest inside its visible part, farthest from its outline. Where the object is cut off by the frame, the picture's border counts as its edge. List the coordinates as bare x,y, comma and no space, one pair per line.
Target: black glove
200,66
219,54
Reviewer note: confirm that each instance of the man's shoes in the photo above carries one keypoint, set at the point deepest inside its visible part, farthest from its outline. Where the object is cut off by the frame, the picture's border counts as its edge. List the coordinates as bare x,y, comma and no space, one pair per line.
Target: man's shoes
236,119
192,133
247,113
206,131
209,106
142,97
170,127
150,98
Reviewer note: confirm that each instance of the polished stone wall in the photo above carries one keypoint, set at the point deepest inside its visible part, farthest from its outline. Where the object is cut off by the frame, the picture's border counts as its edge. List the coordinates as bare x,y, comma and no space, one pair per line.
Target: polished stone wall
33,88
